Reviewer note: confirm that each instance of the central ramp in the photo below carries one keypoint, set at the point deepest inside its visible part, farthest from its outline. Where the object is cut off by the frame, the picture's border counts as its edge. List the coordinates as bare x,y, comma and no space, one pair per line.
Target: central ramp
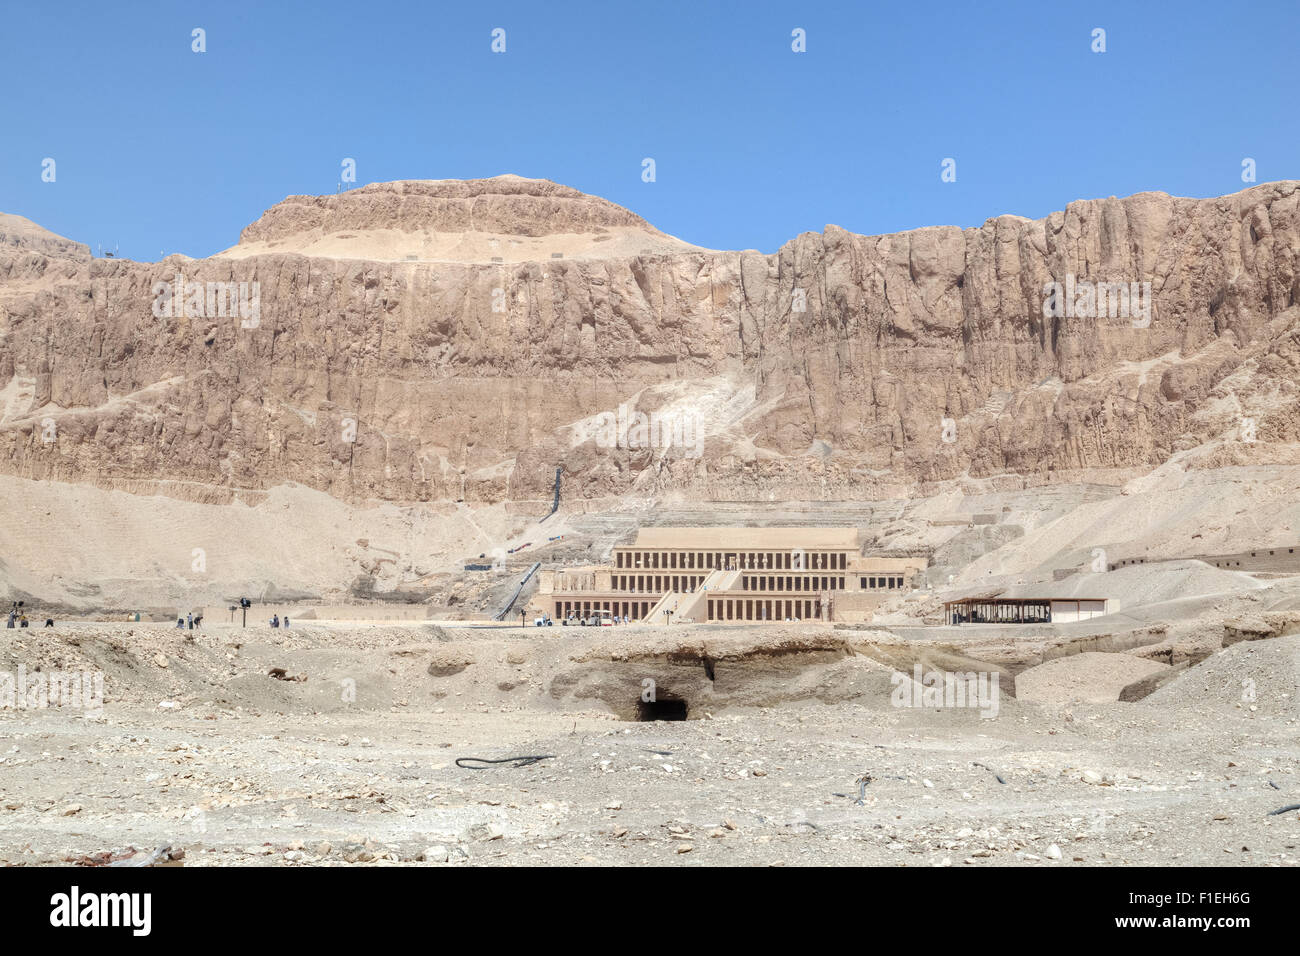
689,605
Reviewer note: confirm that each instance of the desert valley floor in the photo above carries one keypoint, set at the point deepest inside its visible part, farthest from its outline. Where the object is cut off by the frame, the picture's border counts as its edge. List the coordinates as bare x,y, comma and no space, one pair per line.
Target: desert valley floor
199,749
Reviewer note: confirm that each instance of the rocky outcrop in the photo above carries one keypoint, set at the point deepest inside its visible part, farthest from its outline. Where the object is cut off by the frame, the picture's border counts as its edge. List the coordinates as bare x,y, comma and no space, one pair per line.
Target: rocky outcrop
19,235
826,370
508,205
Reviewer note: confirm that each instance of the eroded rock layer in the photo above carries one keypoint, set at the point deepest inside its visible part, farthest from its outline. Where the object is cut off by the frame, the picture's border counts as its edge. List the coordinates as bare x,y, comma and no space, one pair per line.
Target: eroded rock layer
474,379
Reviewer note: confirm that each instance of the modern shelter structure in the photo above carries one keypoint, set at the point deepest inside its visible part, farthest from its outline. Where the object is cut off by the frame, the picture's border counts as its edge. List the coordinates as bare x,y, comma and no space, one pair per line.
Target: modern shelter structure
696,575
1025,610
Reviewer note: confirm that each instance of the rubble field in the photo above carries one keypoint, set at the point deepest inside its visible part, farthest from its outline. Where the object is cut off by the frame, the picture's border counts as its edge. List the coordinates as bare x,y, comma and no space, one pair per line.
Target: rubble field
334,745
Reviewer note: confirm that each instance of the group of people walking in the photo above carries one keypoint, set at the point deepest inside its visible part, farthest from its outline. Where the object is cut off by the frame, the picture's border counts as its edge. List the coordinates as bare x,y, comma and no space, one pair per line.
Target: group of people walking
17,619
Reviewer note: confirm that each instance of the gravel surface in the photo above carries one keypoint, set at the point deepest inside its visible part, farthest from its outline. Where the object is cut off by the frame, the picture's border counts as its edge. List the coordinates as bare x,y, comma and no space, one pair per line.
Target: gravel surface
249,769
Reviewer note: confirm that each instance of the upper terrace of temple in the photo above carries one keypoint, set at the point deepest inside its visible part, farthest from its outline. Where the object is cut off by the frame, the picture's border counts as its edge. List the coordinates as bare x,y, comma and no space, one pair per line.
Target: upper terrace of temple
740,548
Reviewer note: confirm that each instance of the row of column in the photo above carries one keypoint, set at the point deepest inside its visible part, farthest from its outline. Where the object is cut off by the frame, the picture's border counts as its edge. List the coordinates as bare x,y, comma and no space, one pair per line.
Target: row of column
886,582
764,609
621,609
797,560
657,583
791,582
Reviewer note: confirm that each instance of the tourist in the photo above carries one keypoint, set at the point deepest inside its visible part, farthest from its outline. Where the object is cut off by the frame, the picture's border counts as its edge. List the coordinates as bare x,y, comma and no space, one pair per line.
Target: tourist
286,621
189,619
180,623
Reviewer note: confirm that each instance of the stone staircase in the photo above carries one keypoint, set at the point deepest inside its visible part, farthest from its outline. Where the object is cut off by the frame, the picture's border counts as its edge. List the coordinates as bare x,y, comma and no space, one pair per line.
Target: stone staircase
692,606
656,614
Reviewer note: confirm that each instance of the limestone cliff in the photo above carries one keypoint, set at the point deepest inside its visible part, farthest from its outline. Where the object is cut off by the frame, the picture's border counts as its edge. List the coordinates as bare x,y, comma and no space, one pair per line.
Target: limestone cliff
473,331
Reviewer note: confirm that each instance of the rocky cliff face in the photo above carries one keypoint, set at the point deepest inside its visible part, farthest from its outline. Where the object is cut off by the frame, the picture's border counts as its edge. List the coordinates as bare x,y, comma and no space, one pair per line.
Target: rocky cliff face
391,357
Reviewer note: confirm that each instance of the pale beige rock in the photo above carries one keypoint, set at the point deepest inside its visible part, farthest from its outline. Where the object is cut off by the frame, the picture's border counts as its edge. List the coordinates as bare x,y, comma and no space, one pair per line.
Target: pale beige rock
459,406
454,400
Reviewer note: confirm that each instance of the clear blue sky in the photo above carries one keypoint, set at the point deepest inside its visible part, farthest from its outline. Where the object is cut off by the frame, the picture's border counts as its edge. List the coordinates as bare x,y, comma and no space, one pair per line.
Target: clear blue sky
162,149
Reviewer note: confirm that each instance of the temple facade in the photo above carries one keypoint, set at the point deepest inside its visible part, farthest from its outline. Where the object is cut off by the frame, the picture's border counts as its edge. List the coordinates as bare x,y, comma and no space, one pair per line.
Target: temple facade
698,575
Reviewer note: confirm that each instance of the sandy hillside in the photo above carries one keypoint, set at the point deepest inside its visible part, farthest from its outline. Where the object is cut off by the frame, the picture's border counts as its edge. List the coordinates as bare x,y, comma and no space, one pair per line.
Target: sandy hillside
1087,677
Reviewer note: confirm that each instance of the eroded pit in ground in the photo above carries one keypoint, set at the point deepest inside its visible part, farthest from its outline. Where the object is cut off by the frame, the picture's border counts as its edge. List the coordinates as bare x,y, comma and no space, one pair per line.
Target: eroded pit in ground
756,669
687,683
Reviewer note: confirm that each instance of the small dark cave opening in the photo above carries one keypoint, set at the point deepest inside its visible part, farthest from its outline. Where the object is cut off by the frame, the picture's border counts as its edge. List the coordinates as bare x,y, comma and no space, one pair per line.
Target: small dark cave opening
667,708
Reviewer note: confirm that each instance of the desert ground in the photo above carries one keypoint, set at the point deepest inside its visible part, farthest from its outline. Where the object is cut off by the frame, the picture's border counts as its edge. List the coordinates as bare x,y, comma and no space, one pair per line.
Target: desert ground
336,744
